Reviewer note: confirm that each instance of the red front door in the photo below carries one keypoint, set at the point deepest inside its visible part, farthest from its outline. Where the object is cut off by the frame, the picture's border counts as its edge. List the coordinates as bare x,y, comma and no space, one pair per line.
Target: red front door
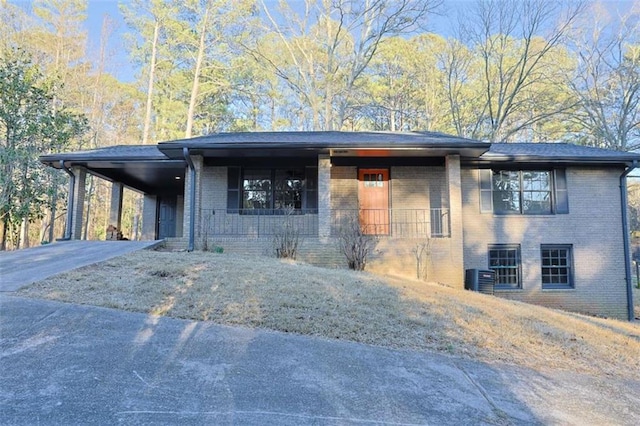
373,198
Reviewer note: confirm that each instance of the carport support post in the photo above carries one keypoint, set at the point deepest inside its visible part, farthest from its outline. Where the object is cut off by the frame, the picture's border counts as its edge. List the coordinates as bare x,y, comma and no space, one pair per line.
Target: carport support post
115,213
192,197
149,217
79,192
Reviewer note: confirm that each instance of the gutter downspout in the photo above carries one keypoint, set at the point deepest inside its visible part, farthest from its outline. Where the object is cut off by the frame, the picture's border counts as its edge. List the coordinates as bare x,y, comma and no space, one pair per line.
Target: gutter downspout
192,198
625,237
72,189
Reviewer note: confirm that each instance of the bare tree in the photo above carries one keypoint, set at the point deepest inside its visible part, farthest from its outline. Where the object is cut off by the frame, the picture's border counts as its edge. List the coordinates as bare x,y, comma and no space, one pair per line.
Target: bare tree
607,80
327,46
517,44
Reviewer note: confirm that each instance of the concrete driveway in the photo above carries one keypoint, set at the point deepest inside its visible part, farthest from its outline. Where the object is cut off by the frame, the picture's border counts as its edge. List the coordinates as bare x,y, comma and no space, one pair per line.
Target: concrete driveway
69,364
22,267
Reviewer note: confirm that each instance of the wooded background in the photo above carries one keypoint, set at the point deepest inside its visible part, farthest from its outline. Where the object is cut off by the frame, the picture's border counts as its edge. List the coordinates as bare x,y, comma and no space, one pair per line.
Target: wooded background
513,71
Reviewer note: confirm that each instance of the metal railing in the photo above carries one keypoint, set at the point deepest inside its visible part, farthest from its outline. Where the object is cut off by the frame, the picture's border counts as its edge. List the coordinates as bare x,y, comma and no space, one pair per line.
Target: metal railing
257,222
402,223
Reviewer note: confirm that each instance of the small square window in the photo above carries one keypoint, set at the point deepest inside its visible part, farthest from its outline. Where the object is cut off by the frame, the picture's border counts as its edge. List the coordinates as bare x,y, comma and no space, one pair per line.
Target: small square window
557,266
504,259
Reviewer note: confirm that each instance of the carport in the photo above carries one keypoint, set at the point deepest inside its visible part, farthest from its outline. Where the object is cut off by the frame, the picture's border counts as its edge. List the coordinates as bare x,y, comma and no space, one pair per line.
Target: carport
141,168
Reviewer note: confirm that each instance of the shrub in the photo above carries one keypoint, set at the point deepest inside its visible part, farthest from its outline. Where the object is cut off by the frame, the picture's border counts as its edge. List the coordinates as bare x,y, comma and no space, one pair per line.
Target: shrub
286,238
355,244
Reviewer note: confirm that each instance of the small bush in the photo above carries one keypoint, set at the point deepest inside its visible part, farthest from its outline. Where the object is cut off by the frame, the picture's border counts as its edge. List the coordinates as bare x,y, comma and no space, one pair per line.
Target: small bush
286,239
355,244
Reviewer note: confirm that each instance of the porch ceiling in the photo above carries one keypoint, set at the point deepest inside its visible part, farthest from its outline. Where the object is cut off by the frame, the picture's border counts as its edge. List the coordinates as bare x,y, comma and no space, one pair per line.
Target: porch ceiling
141,168
165,177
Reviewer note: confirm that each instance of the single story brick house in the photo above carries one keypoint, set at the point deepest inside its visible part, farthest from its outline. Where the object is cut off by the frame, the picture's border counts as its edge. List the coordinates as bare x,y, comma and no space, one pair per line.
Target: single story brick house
549,219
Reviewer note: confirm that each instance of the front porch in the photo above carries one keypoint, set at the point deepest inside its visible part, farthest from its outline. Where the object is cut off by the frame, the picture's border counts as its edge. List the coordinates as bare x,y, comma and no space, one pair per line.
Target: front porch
402,189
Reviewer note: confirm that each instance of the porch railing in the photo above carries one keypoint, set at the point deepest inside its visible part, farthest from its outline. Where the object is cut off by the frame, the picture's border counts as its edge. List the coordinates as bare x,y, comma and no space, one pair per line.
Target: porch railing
402,223
257,222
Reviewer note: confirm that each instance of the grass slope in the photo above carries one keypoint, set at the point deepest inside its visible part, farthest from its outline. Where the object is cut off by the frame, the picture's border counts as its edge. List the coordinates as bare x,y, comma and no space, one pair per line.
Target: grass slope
341,304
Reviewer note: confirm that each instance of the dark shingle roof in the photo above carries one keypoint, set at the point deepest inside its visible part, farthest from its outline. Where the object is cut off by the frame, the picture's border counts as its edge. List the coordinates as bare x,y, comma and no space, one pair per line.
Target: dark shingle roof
322,139
109,153
294,144
498,152
555,152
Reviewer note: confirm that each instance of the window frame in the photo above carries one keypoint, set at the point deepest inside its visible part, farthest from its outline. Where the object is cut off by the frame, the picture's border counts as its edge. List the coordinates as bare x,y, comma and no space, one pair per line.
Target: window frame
308,191
558,192
497,268
568,265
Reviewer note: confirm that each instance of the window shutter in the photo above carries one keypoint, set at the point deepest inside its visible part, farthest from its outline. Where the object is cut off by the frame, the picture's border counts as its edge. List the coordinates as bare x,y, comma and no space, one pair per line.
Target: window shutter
233,189
486,184
311,189
562,194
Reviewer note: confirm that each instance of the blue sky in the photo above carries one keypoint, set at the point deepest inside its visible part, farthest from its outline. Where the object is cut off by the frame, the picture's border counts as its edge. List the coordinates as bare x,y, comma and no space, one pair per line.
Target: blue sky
124,70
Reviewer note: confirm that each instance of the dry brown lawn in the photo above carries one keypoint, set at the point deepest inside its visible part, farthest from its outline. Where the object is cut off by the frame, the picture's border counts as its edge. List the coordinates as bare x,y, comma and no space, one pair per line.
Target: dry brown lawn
341,304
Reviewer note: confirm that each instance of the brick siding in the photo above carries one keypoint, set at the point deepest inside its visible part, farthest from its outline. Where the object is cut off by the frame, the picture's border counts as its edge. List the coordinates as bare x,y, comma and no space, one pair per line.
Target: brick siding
596,238
593,227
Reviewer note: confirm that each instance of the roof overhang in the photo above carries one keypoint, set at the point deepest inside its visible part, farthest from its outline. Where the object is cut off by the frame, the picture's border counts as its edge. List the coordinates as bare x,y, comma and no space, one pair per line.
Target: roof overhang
546,154
148,171
311,144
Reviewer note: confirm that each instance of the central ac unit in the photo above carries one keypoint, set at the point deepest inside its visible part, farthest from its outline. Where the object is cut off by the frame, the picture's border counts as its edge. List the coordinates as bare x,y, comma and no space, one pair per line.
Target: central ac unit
481,280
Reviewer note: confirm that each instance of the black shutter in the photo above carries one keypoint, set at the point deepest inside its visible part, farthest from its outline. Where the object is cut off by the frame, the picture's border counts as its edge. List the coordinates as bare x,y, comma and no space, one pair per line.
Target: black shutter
311,189
233,189
486,185
562,193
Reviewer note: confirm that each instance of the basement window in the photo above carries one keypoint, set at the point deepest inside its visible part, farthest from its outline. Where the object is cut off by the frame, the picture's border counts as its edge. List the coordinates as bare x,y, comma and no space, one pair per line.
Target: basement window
505,260
557,266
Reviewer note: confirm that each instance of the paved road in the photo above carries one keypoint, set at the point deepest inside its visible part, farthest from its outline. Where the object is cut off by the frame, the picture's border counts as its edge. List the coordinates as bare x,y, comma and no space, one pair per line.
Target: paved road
22,267
70,364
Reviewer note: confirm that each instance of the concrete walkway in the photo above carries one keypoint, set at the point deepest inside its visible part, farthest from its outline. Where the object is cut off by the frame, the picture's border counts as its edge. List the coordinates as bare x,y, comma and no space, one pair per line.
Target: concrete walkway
22,267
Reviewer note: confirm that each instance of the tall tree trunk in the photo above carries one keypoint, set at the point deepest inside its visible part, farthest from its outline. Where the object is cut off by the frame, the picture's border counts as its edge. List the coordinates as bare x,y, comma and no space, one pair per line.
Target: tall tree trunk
152,69
52,220
196,76
24,234
5,230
